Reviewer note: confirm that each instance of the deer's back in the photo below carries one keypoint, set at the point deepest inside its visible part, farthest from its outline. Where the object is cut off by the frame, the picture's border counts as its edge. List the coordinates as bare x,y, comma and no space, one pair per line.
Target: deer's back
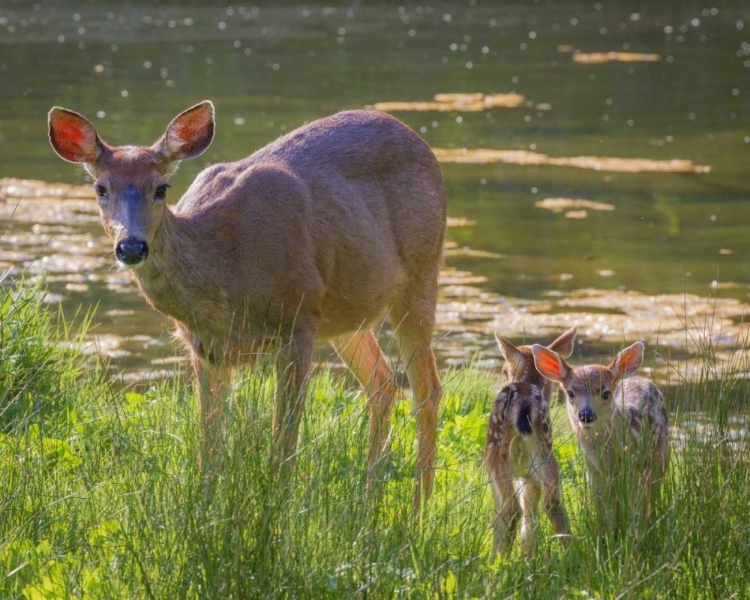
641,405
519,431
342,212
642,401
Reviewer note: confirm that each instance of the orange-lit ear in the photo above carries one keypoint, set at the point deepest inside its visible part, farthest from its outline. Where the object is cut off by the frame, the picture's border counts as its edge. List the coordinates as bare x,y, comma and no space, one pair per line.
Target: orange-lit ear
73,137
549,364
189,133
627,361
564,344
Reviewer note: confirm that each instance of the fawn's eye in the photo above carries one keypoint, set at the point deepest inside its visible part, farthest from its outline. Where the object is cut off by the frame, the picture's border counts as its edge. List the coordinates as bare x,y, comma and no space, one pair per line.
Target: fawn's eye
101,191
161,192
606,395
571,395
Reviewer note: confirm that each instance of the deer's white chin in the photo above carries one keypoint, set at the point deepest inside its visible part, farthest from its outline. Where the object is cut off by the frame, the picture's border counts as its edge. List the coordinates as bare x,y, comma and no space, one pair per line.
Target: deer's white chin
121,266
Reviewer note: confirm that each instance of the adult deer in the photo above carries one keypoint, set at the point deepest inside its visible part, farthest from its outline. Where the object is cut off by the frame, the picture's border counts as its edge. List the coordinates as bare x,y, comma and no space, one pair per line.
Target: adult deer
314,236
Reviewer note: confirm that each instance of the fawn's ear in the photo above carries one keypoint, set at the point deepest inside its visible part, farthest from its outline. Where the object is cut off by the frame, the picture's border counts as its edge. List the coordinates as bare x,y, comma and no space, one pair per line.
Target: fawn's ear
189,133
73,137
549,364
512,355
564,344
627,361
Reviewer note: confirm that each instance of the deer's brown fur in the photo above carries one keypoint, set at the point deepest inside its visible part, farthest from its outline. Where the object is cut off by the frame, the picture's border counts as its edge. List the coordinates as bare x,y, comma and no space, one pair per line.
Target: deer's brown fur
519,454
314,236
614,419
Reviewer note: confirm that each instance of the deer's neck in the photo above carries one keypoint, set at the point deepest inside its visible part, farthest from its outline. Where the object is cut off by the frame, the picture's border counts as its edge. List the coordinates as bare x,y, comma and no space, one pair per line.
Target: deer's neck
176,269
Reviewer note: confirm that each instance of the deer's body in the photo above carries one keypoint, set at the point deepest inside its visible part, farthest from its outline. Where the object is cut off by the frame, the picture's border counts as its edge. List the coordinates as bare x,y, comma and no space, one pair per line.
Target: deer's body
519,454
637,410
615,420
328,223
314,236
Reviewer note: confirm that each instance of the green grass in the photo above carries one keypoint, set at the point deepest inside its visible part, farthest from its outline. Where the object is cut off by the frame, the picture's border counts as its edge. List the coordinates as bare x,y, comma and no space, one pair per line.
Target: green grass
101,495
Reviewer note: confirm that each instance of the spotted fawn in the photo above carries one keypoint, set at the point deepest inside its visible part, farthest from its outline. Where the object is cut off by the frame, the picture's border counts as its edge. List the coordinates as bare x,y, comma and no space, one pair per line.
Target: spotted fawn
518,455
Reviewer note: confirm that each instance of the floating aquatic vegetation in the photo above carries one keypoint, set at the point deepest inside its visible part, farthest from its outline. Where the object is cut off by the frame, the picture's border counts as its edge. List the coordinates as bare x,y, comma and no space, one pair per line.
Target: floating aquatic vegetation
558,205
455,102
596,163
459,222
605,57
454,277
467,252
32,188
681,322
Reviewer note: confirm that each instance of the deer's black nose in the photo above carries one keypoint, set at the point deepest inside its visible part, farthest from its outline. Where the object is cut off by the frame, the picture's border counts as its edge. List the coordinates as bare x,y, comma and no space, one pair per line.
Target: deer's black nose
587,415
131,251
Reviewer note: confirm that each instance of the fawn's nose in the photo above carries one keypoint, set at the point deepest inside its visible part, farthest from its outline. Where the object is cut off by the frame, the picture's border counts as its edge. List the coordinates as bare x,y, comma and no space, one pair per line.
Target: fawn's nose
587,415
131,251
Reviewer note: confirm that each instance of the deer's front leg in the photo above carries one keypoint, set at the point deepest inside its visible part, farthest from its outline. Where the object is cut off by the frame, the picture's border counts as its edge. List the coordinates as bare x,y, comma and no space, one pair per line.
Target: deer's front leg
214,384
293,361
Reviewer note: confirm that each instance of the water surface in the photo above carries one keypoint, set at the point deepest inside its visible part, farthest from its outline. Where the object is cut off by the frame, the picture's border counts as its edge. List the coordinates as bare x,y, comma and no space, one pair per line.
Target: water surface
669,239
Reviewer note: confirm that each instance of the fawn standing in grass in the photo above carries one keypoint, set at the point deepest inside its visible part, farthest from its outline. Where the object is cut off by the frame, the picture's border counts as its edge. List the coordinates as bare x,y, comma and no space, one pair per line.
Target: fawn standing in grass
614,419
313,237
519,454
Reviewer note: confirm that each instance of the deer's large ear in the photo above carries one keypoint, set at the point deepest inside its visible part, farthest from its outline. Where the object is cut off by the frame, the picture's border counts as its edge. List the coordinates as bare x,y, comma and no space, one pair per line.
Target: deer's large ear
564,344
549,364
189,133
627,361
73,137
512,355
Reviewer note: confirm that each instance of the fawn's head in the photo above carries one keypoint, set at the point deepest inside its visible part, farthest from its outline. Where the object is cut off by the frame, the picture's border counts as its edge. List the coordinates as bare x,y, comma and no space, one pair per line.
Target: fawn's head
519,361
591,388
131,181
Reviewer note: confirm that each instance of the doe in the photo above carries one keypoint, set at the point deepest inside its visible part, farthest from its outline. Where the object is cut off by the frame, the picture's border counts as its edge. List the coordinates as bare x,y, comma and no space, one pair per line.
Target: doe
314,236
614,418
519,449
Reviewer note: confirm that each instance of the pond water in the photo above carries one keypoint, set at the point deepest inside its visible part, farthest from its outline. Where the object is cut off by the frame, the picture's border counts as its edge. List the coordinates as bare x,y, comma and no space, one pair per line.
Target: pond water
651,245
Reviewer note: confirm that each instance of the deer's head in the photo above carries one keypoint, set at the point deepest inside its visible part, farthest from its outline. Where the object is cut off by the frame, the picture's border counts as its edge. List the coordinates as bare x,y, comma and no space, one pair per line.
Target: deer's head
590,389
131,181
519,360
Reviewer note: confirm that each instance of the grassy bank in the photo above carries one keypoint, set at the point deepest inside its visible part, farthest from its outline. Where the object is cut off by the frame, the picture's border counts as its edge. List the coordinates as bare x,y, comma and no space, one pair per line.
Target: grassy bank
101,496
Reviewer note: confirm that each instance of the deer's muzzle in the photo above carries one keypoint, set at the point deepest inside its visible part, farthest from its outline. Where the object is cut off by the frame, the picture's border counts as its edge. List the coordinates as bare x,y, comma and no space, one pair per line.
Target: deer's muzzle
131,251
587,415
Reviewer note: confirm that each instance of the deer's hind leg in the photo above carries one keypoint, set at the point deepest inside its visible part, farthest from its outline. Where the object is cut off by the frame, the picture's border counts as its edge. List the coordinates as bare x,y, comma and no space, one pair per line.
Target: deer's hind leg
413,318
363,356
507,509
552,501
529,490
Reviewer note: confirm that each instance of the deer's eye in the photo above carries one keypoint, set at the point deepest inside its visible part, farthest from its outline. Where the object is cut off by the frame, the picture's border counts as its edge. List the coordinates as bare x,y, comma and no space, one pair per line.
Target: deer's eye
161,192
606,395
101,191
571,395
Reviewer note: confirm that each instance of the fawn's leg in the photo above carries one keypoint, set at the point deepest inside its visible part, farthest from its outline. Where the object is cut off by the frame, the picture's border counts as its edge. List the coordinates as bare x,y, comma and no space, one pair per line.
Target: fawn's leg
413,319
363,356
552,498
293,361
530,492
507,510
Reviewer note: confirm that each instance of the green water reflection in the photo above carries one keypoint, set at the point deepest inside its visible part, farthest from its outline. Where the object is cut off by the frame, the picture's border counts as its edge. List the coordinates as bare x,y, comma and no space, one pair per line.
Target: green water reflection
270,68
